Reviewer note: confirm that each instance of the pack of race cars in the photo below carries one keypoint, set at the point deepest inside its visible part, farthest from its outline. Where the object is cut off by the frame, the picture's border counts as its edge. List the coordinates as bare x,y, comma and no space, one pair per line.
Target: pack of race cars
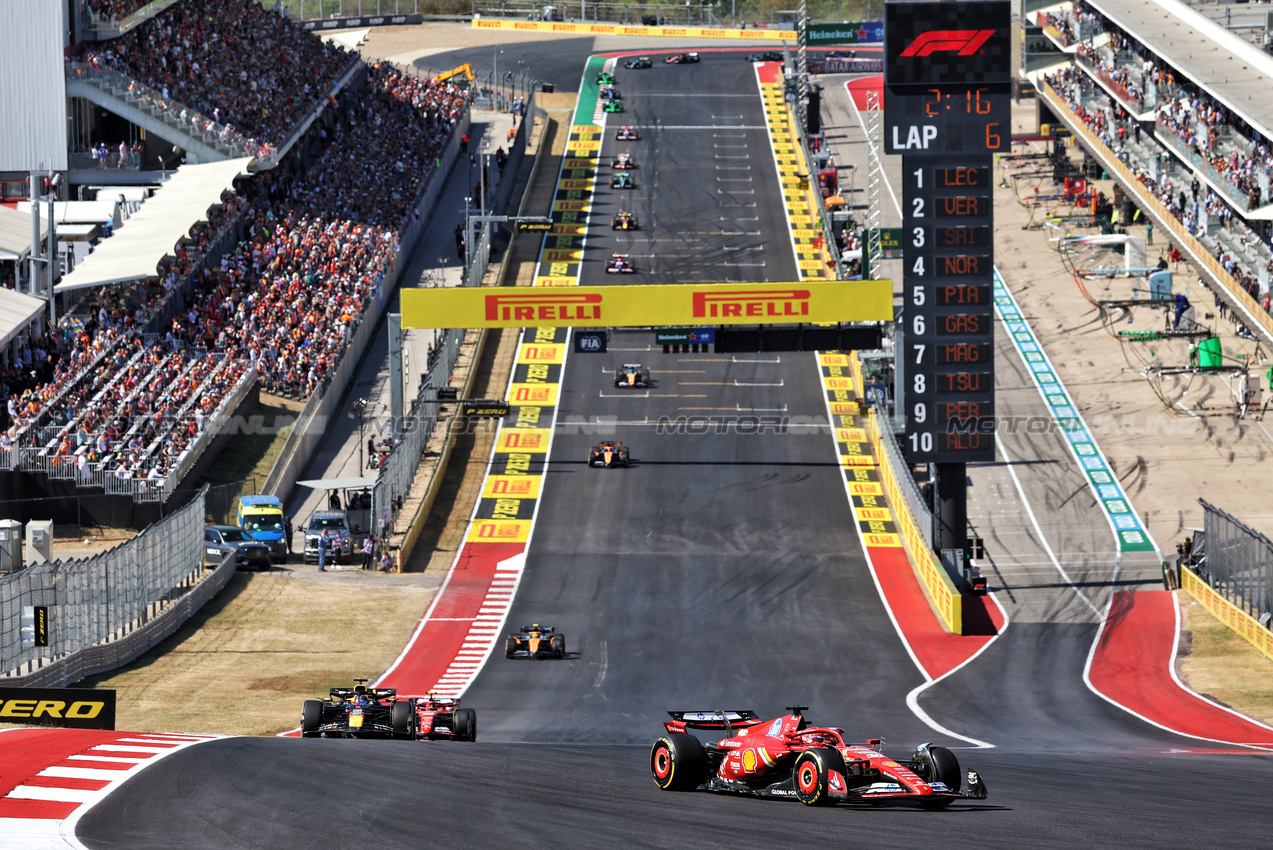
779,758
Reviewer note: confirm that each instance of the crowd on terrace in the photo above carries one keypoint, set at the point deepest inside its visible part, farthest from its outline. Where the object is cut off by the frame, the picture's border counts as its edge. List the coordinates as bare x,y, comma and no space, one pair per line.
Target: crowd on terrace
315,238
1194,205
247,67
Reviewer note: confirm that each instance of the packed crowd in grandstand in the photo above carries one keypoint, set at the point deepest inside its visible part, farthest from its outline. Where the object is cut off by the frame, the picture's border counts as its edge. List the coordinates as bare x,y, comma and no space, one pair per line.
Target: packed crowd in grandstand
234,60
1205,129
111,393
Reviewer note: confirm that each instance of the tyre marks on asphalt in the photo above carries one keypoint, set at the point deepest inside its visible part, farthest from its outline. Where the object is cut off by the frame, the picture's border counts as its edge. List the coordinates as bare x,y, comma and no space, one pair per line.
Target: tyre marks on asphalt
468,615
48,777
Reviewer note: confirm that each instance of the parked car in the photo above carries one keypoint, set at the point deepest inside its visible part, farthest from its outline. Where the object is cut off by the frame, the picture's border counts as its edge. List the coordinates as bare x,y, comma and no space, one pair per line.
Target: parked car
222,540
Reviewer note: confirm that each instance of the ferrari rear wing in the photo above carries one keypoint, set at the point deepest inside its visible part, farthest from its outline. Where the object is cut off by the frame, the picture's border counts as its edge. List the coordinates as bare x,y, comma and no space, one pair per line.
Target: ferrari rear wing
718,719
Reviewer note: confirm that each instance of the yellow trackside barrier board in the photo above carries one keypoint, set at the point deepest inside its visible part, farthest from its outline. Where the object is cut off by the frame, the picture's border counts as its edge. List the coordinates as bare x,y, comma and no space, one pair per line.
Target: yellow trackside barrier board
1226,612
620,29
651,305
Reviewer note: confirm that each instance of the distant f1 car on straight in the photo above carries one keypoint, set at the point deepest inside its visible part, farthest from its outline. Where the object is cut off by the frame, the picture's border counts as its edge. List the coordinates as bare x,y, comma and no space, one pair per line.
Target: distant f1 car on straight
622,180
535,641
605,78
639,62
608,454
767,56
613,105
681,59
624,220
627,133
623,161
787,759
620,264
362,712
632,375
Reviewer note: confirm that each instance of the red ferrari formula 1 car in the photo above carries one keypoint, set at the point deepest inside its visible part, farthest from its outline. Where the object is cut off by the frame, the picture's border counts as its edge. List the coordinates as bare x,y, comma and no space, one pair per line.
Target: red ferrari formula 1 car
441,717
785,758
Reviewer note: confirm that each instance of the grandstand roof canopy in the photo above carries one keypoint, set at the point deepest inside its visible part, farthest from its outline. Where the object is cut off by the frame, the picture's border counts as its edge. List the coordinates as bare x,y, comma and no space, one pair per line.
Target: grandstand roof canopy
152,233
15,233
17,310
1234,71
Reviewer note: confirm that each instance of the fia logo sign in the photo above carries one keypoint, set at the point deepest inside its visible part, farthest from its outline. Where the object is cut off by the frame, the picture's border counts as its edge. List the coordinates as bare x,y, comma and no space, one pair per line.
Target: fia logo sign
590,342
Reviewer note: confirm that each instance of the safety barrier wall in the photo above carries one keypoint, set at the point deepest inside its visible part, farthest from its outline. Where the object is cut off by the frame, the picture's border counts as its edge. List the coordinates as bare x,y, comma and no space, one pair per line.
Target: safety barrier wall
946,598
1226,612
103,599
439,375
1198,253
637,30
1237,562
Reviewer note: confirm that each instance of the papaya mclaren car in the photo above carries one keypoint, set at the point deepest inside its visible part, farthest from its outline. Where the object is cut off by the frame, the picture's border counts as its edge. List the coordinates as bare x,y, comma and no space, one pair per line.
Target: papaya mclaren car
632,375
681,59
363,712
627,133
608,454
535,641
785,758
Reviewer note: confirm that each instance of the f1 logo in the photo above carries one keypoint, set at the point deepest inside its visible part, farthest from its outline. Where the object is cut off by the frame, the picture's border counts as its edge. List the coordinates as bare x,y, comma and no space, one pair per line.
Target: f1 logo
959,42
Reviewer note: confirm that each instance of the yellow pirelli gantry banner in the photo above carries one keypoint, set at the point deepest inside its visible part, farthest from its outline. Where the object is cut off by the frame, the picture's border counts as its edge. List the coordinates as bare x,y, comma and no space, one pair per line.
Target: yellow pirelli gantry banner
622,29
650,305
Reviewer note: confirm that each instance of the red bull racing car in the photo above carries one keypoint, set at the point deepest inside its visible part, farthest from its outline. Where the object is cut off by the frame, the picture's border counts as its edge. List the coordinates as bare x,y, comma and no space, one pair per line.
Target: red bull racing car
535,641
627,133
620,264
788,759
624,220
608,454
363,712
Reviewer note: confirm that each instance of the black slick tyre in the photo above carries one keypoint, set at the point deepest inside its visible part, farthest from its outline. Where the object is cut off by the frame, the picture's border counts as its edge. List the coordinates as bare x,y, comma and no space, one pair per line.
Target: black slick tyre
678,762
811,776
311,718
465,724
400,716
558,646
943,767
510,646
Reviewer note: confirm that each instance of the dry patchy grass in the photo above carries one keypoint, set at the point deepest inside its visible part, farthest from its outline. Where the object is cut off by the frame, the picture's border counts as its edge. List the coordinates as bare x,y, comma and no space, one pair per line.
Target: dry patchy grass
244,664
1224,666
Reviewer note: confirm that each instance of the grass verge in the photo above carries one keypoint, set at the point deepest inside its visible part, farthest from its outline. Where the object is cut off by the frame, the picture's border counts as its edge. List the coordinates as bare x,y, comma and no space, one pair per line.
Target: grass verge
1218,663
244,663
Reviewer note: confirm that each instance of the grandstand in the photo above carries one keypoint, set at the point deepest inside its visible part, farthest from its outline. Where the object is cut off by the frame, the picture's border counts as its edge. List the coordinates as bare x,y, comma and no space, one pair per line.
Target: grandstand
1178,110
252,275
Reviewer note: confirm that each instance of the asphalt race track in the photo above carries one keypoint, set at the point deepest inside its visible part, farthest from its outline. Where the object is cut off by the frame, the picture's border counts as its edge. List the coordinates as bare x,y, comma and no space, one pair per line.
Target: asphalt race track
721,570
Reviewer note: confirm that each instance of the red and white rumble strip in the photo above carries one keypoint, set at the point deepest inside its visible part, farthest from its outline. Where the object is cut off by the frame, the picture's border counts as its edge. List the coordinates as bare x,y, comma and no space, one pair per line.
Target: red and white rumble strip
50,777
